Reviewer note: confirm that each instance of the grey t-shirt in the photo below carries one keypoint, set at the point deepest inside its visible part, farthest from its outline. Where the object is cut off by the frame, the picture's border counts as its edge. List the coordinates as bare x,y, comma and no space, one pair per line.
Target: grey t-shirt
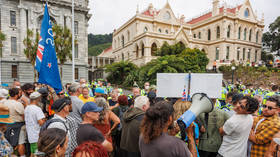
77,104
164,146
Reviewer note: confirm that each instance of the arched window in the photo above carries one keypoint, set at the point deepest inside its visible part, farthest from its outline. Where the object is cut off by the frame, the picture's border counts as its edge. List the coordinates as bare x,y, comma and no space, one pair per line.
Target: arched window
243,57
199,35
128,35
250,34
159,30
122,41
227,54
209,34
137,51
257,37
239,33
154,49
218,32
217,53
145,29
238,53
166,31
256,55
246,13
228,31
119,42
245,34
249,54
143,50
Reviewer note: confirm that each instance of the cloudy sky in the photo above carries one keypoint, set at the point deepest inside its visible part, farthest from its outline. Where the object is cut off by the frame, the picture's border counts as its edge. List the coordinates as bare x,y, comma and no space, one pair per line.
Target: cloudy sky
108,15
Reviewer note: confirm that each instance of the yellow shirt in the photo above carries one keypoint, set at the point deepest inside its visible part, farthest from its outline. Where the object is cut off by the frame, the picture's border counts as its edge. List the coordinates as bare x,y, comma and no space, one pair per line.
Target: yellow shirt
86,100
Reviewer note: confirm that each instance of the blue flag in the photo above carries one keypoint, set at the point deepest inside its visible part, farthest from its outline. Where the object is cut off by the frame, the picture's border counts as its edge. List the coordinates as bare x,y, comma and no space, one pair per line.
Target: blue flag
46,61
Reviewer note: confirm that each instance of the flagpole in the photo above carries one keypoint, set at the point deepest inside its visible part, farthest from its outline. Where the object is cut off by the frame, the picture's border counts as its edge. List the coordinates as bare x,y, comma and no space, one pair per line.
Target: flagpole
73,45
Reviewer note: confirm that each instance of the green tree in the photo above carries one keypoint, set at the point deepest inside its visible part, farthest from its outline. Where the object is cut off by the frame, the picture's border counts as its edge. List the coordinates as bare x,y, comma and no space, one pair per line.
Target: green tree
99,39
63,44
167,49
272,38
97,49
195,60
119,71
2,38
31,46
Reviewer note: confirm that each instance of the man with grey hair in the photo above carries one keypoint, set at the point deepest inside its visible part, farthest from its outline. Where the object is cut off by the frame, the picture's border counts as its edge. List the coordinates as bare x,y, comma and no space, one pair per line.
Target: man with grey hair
75,91
130,127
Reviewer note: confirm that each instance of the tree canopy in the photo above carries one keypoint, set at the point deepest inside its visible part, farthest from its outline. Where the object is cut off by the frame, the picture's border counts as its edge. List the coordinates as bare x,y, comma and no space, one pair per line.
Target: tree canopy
272,37
98,43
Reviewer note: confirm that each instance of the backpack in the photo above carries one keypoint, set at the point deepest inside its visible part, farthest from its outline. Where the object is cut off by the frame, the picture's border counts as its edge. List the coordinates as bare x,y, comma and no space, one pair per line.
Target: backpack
121,112
48,122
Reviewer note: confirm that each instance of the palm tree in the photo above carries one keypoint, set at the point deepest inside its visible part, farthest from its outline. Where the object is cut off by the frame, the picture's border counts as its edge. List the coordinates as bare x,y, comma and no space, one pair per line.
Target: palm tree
31,47
63,44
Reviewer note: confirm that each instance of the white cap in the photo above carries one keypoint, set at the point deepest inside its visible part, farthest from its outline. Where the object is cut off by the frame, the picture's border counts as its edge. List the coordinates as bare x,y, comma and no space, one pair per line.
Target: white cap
4,93
35,95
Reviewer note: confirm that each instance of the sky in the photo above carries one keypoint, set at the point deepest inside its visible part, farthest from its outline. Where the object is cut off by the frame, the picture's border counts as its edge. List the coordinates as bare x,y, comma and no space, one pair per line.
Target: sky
108,15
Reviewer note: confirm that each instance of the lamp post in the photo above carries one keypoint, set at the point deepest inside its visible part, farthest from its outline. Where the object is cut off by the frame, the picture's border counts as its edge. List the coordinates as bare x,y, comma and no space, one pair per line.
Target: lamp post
73,45
233,69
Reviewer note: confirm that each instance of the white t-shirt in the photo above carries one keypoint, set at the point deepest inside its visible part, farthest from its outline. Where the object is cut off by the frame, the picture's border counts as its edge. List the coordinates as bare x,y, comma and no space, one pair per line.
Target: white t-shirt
32,114
237,129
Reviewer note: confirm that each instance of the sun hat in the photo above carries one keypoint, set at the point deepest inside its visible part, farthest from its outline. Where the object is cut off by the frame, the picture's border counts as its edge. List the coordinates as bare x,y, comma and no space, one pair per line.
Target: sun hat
5,115
4,93
34,95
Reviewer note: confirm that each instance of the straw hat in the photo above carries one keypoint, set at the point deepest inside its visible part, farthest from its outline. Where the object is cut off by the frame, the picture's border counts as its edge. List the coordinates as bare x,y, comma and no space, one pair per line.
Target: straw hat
5,115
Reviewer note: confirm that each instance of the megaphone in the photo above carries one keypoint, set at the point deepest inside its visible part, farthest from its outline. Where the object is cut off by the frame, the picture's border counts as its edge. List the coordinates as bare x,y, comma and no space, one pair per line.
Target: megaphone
201,103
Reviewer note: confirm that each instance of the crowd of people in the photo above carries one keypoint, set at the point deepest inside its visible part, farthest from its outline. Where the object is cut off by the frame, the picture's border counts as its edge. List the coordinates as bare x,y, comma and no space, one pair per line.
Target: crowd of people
98,120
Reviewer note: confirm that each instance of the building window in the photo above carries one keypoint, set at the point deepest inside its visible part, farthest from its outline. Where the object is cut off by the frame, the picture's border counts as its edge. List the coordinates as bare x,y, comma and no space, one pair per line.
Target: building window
13,18
217,53
166,31
154,49
159,30
145,29
122,57
250,34
14,71
209,34
122,41
228,32
239,32
249,54
13,45
218,32
199,35
243,54
64,21
76,73
227,55
246,13
137,51
238,53
256,55
245,34
194,35
143,50
76,51
128,35
76,27
257,37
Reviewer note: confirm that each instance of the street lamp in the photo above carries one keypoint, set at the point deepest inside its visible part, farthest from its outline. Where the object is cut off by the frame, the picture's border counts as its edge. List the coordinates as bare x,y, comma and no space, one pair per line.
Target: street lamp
232,68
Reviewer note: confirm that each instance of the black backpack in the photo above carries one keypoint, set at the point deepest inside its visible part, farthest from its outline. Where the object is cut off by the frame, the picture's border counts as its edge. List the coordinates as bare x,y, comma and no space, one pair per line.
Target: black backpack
48,122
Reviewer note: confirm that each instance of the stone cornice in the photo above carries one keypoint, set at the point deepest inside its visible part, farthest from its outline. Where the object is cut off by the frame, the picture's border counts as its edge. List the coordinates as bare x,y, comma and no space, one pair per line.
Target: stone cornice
67,4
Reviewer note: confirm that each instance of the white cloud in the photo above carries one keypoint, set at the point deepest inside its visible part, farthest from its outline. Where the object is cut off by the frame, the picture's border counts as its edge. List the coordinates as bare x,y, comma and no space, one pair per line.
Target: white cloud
108,15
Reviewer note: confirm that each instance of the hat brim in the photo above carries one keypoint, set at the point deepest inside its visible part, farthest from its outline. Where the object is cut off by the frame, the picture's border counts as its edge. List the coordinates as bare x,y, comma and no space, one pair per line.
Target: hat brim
6,121
98,109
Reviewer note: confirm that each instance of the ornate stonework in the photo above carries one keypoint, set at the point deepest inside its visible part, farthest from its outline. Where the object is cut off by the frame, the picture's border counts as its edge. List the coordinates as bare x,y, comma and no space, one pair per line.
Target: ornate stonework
226,34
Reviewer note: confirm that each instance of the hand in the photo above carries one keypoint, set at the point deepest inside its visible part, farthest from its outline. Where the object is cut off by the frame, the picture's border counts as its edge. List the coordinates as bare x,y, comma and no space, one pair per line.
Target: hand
108,133
202,129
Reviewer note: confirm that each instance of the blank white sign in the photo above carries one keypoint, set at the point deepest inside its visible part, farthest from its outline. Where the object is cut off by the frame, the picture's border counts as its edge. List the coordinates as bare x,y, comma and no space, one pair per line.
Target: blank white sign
172,84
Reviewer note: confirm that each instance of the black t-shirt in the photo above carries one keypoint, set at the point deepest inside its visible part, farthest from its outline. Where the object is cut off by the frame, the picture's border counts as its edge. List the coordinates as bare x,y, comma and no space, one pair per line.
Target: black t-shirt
87,132
164,146
112,103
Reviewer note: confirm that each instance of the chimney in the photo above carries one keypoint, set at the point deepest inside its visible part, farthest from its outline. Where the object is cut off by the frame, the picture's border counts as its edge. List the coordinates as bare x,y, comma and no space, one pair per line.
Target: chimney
215,10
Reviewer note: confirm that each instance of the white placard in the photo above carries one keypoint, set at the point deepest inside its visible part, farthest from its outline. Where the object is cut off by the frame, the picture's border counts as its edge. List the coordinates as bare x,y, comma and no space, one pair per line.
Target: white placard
172,84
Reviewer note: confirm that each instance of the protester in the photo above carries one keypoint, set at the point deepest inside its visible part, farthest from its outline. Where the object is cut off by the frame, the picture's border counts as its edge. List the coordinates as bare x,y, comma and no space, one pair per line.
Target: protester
52,143
3,95
34,119
16,84
99,92
6,149
190,134
135,93
265,127
90,148
210,139
85,95
113,100
83,83
130,127
237,128
86,131
145,91
154,139
273,149
105,118
61,94
16,133
27,89
74,91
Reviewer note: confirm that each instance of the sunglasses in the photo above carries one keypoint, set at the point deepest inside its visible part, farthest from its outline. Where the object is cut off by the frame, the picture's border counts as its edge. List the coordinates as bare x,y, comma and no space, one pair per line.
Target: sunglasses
269,107
60,94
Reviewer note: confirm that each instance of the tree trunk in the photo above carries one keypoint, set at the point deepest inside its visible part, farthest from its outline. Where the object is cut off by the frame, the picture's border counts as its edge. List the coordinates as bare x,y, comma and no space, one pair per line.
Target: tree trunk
35,74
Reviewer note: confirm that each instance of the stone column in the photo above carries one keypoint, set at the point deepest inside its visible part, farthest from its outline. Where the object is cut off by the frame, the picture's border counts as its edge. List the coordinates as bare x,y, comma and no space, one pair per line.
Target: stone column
98,62
103,61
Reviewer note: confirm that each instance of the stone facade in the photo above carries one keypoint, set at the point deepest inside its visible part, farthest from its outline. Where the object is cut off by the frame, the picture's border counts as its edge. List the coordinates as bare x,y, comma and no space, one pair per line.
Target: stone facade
216,33
16,17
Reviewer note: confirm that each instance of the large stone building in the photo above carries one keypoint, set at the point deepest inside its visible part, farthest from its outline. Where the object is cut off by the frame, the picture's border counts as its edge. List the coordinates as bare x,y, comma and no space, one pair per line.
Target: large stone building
226,34
17,16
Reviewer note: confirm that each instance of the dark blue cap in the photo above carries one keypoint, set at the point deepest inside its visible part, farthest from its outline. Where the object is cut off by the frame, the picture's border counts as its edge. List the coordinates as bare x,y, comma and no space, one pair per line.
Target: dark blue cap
91,107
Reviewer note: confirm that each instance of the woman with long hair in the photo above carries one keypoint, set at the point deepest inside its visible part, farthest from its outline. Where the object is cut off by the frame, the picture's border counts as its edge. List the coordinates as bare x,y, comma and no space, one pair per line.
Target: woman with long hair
52,143
105,117
154,138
